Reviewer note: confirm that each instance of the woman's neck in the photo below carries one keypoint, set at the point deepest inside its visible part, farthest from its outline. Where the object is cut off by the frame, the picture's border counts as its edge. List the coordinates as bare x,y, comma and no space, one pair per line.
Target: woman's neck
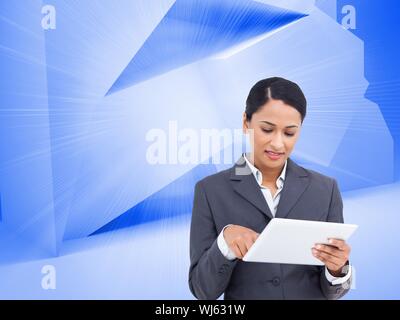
270,175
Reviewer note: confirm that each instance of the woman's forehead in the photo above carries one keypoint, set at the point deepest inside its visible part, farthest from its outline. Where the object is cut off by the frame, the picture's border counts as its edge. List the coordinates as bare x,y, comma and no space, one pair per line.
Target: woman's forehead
277,110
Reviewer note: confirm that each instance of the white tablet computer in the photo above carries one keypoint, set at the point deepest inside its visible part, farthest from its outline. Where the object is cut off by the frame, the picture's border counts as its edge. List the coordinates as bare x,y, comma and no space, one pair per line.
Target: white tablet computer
290,241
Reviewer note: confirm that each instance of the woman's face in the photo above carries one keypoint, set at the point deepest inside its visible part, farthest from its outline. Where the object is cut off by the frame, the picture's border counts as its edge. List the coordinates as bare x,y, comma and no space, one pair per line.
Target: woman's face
276,127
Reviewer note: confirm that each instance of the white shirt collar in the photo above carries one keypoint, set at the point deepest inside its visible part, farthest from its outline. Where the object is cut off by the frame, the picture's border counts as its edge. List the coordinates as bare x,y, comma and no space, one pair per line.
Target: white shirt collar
258,175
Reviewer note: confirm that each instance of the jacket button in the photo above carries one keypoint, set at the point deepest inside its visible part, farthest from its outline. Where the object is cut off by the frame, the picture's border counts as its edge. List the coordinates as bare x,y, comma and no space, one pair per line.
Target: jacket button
276,281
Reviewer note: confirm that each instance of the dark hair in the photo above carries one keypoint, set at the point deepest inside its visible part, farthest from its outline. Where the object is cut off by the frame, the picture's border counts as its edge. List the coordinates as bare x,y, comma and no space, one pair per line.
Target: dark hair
279,89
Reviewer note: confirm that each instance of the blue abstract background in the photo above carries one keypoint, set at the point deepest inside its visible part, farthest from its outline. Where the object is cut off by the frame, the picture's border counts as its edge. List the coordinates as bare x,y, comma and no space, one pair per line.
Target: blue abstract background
76,103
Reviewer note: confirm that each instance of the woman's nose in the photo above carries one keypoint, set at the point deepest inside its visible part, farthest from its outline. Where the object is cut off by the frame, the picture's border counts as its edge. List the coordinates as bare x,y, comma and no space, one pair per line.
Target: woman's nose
277,142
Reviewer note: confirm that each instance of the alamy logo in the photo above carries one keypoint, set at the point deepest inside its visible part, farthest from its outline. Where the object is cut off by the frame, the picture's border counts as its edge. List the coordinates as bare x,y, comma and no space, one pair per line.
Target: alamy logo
190,146
49,278
349,20
49,18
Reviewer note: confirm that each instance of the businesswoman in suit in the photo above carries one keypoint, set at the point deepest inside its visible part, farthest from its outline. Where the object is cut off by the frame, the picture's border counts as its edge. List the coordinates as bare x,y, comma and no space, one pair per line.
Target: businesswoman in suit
232,207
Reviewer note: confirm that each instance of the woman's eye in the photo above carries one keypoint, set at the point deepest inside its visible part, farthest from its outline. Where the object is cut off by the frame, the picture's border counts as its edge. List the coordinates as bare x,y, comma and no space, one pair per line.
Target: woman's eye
288,134
267,130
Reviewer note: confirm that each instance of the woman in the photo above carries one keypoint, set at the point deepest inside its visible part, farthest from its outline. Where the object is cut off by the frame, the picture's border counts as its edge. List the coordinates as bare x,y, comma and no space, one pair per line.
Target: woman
232,207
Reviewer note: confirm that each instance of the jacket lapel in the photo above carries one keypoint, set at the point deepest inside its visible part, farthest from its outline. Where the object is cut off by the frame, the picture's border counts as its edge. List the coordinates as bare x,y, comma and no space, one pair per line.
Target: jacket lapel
296,182
245,184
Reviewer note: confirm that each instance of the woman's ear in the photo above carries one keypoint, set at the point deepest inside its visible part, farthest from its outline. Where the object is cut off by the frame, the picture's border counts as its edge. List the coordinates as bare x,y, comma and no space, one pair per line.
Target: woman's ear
245,123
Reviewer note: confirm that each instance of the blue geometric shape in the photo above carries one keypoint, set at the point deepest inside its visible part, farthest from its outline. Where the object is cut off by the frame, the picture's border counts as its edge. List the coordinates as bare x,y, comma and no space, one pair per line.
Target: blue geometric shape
381,61
197,29
174,199
25,156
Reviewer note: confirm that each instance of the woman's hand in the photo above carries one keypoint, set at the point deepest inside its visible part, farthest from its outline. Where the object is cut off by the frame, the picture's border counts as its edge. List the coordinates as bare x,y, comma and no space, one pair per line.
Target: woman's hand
334,256
239,239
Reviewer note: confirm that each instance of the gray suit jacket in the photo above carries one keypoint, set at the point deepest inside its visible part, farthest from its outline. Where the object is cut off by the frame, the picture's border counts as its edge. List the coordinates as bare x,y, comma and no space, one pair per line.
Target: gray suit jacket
234,197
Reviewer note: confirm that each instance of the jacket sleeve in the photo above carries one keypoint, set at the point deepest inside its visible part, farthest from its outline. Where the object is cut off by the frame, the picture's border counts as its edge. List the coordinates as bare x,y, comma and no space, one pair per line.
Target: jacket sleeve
330,291
210,271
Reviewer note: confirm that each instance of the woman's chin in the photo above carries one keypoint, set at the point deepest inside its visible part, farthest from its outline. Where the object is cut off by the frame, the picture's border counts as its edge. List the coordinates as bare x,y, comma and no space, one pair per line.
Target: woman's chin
273,163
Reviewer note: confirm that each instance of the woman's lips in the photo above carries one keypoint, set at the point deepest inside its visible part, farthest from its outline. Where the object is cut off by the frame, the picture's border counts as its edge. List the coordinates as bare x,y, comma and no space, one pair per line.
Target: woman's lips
274,155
